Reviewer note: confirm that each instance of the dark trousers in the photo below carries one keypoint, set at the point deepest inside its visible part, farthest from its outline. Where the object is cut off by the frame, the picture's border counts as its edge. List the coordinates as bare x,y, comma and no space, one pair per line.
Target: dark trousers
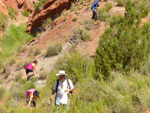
95,15
27,100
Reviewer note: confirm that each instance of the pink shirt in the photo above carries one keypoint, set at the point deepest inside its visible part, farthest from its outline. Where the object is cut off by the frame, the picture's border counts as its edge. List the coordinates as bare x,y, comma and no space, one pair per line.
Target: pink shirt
29,66
29,91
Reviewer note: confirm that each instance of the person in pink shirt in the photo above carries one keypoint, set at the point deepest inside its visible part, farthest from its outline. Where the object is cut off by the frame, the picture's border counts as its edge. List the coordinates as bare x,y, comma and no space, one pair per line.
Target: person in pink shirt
31,68
31,97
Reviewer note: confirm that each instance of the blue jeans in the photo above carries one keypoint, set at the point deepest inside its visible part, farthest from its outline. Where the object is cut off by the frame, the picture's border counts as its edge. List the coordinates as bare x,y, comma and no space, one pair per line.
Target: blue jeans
58,104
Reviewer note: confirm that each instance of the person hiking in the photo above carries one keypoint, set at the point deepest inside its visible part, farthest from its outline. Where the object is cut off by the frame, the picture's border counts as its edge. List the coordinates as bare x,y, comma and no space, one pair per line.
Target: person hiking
62,88
94,7
31,68
31,96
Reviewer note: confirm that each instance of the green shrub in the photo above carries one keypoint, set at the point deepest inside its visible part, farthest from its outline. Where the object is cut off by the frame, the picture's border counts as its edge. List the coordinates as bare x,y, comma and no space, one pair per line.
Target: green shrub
39,4
2,92
103,12
53,49
12,12
43,75
3,21
47,22
15,36
122,47
81,33
36,51
89,24
22,81
120,2
12,61
18,76
76,66
29,85
25,13
74,19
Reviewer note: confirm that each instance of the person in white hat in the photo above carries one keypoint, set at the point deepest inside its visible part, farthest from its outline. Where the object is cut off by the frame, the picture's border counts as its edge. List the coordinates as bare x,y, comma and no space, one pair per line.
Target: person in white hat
62,88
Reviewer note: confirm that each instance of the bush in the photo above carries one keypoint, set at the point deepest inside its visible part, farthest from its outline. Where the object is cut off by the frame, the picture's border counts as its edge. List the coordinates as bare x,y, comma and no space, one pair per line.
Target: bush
36,51
25,13
121,47
103,12
22,81
13,36
12,61
47,22
74,19
43,75
53,49
39,4
18,76
12,12
89,24
120,2
82,33
2,92
76,66
3,21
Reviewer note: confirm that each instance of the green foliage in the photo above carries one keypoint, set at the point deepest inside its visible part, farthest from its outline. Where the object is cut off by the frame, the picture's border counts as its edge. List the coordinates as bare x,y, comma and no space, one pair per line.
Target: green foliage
89,24
39,4
76,66
103,12
120,2
22,81
14,37
3,21
47,22
43,75
123,46
18,76
25,13
12,12
53,49
2,92
74,19
81,33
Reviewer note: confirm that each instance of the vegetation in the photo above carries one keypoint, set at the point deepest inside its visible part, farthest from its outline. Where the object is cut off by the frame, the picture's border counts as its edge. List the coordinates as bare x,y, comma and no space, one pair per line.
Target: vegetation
12,12
25,13
101,83
53,49
3,21
39,4
82,34
122,47
14,37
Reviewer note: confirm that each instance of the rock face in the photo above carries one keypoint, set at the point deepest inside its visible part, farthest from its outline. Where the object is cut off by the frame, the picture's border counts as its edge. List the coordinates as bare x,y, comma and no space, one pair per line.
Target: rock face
3,8
49,10
17,4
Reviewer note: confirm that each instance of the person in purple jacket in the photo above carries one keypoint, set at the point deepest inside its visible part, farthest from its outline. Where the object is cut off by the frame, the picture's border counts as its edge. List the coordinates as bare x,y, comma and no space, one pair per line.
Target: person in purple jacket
93,8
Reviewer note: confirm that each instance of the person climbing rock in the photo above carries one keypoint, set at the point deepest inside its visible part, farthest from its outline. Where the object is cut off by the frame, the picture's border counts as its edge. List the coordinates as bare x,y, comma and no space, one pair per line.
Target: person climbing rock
31,96
31,68
62,88
93,8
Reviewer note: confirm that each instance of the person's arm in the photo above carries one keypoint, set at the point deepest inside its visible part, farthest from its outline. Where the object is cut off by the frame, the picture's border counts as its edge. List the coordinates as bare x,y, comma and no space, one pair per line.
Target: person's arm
53,92
71,87
31,97
34,71
40,98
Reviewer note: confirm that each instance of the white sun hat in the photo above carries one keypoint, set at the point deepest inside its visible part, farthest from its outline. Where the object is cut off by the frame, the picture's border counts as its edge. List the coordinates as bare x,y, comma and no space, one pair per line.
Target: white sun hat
61,73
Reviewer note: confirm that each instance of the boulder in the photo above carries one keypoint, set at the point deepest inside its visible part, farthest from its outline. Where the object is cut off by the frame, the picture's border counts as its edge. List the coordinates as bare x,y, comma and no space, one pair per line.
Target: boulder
50,9
3,8
28,5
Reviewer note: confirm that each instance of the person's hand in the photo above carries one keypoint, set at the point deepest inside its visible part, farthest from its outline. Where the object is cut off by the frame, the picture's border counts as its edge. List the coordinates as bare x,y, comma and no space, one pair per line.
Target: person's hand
51,97
67,90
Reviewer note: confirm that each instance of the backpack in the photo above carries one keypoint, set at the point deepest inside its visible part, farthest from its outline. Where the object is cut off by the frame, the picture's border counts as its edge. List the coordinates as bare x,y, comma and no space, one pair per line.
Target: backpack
71,92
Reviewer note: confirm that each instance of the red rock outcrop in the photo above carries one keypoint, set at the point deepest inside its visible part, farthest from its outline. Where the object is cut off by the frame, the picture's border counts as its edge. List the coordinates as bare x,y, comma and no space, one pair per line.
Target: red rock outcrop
17,4
49,10
3,8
